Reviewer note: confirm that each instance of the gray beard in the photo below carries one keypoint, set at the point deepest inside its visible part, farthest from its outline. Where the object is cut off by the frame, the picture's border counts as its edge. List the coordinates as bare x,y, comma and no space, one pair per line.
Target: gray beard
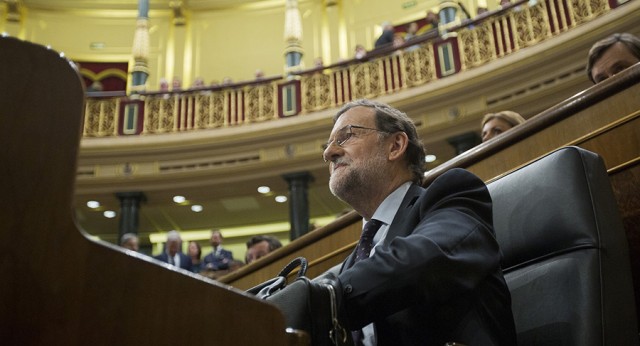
357,183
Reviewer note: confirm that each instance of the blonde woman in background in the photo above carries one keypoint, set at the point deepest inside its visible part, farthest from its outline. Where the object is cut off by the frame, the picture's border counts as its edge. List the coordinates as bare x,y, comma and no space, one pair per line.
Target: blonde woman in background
494,124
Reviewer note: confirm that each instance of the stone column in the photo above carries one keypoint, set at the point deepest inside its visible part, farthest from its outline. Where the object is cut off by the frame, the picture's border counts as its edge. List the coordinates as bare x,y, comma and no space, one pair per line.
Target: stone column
140,70
298,202
129,211
293,37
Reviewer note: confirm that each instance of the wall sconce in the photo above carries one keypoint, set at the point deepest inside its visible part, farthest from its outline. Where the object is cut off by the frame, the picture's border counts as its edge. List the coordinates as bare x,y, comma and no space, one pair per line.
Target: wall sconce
178,15
13,10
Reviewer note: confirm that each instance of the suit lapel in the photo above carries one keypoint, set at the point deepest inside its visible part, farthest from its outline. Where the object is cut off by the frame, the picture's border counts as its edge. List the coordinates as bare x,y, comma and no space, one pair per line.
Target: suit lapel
398,227
349,261
401,222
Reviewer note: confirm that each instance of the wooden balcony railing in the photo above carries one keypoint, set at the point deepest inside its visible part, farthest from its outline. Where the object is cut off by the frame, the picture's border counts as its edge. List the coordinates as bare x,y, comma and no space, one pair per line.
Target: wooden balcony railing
430,57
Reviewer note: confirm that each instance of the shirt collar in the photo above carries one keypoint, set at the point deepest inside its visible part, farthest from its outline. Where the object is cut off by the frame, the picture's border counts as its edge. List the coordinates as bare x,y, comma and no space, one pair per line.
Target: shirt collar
389,207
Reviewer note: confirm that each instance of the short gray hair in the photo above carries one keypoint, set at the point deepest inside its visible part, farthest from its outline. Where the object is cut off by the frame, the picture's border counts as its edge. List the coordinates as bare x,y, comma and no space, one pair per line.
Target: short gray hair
391,120
173,235
126,237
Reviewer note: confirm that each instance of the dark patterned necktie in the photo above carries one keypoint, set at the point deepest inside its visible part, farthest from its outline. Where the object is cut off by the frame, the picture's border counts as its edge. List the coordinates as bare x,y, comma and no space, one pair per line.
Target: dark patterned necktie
362,251
366,239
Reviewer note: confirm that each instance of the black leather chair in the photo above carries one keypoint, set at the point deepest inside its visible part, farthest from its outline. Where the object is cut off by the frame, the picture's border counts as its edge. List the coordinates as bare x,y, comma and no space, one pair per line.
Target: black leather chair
565,252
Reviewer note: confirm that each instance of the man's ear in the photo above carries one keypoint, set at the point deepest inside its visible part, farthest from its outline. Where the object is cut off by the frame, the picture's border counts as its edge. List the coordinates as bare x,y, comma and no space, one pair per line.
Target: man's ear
398,142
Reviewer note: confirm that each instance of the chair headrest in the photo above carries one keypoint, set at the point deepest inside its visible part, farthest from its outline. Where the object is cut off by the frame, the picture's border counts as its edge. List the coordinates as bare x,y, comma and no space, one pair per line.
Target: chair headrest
545,208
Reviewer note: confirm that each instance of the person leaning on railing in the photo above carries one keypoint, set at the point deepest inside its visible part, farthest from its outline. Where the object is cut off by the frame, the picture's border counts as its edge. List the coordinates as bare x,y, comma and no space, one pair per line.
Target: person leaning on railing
611,55
259,246
494,124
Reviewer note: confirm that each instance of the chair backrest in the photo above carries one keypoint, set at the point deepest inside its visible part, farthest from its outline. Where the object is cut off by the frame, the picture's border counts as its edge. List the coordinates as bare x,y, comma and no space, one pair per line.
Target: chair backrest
566,258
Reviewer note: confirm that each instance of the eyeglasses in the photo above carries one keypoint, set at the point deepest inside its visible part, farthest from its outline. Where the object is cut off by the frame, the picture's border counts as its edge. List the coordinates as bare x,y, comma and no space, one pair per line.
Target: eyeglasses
345,133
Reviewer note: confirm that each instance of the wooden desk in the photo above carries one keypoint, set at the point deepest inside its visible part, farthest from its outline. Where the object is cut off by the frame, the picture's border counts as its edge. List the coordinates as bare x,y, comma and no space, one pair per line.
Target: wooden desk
60,288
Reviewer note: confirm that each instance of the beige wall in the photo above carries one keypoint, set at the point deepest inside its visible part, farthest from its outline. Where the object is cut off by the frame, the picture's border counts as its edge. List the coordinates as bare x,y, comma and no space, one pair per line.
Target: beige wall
214,44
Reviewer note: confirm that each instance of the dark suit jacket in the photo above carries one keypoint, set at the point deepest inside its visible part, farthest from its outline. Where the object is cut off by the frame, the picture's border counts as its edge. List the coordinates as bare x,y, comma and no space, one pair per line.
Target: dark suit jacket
384,39
437,276
214,262
185,261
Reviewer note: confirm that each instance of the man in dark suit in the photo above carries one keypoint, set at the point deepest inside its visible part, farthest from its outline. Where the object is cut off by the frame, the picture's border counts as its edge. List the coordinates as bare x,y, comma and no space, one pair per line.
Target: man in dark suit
431,273
386,38
172,254
219,258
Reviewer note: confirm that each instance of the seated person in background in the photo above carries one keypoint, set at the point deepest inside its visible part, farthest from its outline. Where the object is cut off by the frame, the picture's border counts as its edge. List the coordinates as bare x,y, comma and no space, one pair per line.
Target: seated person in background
172,254
164,85
176,84
96,86
612,55
426,270
432,20
227,81
318,63
398,40
259,246
130,241
387,35
195,253
494,124
360,52
198,83
412,31
219,258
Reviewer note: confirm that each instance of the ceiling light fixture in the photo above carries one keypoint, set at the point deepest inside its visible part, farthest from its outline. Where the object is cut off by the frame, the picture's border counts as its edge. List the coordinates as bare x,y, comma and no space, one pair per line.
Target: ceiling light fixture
281,199
264,189
430,158
109,214
93,204
196,208
179,199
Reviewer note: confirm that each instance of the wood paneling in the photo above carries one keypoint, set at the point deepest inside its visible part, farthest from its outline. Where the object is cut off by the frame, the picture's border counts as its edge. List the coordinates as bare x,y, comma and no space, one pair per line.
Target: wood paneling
61,288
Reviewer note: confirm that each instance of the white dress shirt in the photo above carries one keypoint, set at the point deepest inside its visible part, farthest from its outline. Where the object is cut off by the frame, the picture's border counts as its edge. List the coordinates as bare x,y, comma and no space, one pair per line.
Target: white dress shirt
385,213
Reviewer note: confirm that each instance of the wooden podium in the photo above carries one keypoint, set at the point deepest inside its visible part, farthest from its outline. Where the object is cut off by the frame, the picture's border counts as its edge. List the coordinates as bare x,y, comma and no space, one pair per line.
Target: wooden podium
60,288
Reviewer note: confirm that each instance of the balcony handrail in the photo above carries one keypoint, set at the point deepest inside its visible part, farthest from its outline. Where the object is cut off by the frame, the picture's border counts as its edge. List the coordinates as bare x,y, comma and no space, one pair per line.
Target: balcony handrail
429,57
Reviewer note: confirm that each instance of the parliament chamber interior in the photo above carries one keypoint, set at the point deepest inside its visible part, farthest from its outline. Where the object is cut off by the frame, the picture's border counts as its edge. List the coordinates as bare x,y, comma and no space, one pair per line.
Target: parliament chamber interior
153,117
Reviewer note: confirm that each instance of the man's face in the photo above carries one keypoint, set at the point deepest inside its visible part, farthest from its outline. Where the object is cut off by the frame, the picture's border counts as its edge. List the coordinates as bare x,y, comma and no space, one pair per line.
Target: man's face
359,164
257,251
216,239
615,59
131,244
173,246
